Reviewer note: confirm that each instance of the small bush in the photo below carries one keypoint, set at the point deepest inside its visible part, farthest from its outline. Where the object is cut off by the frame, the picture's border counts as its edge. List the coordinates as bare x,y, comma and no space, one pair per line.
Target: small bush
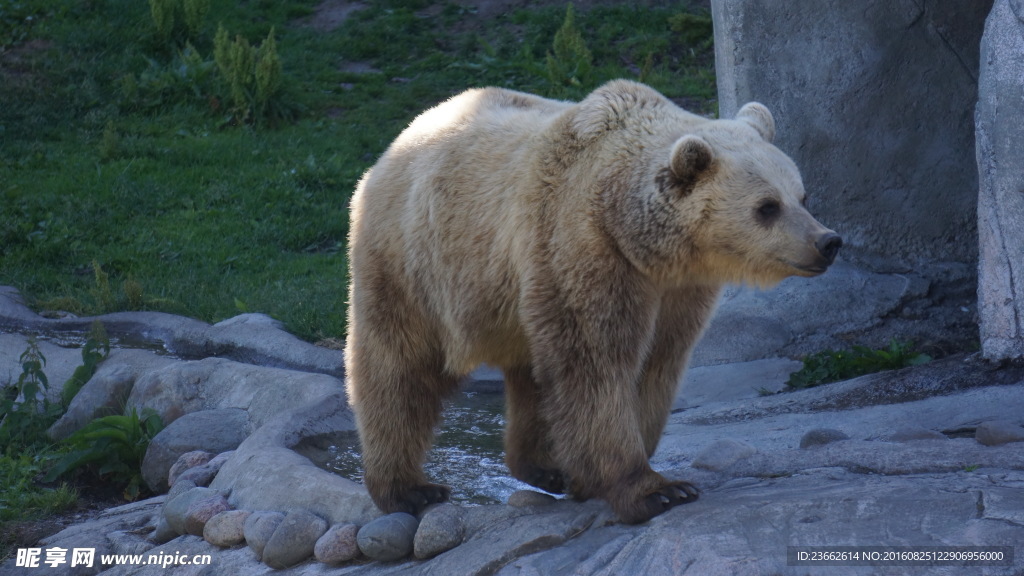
95,350
113,448
832,366
253,75
569,63
25,414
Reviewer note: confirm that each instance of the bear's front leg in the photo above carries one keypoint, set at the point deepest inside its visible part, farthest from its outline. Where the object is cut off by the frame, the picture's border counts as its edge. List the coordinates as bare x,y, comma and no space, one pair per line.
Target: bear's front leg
589,343
528,447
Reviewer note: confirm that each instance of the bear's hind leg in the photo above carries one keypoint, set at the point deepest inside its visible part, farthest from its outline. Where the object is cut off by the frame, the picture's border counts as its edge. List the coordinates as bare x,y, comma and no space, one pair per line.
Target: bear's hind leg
528,449
396,412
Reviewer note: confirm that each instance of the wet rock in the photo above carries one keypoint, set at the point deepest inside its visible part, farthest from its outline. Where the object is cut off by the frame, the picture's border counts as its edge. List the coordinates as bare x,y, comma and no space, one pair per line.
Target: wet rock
259,527
441,529
200,512
821,436
912,433
338,545
227,528
294,540
723,454
177,508
388,538
185,462
999,432
522,498
210,430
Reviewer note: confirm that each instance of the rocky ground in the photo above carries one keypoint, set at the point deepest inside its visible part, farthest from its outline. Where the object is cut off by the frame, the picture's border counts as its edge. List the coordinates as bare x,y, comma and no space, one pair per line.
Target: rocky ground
931,455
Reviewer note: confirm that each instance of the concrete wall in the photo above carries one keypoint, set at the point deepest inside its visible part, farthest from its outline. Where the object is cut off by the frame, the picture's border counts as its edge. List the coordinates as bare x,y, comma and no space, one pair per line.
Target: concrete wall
874,100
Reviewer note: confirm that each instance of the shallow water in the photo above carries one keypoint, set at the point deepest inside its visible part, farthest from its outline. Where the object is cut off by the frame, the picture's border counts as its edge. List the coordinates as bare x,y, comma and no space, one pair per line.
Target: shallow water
467,455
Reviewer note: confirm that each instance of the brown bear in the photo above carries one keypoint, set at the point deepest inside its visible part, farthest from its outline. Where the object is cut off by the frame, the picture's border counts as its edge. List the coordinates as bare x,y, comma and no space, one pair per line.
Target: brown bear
580,247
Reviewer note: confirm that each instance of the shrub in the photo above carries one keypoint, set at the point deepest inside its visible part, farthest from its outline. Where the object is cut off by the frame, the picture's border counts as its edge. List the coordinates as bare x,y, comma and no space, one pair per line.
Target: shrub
832,366
569,63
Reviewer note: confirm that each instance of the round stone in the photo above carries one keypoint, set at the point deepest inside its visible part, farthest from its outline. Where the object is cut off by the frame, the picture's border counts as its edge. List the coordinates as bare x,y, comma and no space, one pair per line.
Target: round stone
227,528
294,539
338,545
441,529
258,529
200,512
388,538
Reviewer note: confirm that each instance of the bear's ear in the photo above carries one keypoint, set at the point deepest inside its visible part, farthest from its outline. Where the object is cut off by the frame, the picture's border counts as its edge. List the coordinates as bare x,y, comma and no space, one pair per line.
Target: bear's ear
691,156
760,118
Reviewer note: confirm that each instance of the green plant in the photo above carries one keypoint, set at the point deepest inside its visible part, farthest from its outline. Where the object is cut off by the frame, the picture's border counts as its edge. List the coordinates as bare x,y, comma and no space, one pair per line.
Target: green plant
694,30
195,13
831,365
253,75
25,414
95,350
569,63
113,447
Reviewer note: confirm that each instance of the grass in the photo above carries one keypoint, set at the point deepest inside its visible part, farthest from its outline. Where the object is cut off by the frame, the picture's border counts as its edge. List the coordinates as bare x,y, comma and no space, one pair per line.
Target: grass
118,151
835,365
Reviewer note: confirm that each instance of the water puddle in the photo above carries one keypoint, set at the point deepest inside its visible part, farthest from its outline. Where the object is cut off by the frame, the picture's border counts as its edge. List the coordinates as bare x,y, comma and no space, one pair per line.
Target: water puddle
468,454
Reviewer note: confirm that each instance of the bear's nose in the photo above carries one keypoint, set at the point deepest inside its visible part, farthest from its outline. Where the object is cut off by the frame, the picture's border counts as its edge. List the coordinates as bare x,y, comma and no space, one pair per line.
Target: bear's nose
828,246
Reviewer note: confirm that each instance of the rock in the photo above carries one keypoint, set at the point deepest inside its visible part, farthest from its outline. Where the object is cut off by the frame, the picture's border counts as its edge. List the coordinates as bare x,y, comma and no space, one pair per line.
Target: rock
388,538
521,498
998,432
441,529
999,131
208,430
203,475
185,462
896,184
723,454
200,512
821,436
163,532
259,527
227,528
180,487
176,509
128,543
705,384
912,433
294,539
338,545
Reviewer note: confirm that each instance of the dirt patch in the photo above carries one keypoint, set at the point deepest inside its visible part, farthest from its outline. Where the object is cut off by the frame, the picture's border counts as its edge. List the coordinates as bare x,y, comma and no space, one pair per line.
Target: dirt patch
331,14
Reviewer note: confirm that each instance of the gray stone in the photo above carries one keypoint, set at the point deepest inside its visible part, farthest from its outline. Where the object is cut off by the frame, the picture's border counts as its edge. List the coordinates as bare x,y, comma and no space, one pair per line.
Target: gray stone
227,528
913,433
821,437
338,545
200,512
259,527
185,462
180,487
176,509
208,430
705,384
204,474
388,538
1000,157
163,532
127,542
441,529
723,454
856,88
997,432
294,539
521,498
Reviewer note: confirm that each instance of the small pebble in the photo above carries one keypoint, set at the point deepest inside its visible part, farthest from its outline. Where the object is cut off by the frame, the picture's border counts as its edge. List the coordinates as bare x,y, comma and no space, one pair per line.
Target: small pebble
821,436
187,461
441,529
338,545
258,529
294,540
200,512
388,538
227,528
997,432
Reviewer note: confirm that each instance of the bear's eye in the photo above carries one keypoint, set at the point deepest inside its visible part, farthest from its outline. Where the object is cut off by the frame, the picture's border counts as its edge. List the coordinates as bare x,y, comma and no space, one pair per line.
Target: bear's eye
768,211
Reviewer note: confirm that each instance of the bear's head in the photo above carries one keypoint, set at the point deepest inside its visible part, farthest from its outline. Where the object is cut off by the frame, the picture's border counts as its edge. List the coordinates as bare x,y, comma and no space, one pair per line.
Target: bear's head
713,201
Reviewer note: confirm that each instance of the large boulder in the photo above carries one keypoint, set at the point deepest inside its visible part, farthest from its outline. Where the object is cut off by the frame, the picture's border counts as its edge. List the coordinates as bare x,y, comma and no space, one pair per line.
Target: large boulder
872,99
1000,155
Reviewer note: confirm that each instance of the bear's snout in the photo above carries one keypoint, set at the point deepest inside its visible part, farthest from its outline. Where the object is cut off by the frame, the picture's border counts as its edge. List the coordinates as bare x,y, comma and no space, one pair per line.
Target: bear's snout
828,246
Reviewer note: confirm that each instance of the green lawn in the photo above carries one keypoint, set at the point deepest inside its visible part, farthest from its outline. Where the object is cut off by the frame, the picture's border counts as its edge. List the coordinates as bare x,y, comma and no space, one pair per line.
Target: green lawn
119,151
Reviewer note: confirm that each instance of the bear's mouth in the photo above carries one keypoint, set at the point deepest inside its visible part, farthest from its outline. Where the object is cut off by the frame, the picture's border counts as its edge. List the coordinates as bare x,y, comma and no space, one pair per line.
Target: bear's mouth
805,269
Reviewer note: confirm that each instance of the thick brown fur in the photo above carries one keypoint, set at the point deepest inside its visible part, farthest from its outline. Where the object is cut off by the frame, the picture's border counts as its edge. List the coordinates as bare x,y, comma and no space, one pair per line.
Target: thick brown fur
581,247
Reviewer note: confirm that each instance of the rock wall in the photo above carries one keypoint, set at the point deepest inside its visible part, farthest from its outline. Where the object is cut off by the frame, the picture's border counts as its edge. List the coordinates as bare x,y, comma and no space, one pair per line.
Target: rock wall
1000,155
874,102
